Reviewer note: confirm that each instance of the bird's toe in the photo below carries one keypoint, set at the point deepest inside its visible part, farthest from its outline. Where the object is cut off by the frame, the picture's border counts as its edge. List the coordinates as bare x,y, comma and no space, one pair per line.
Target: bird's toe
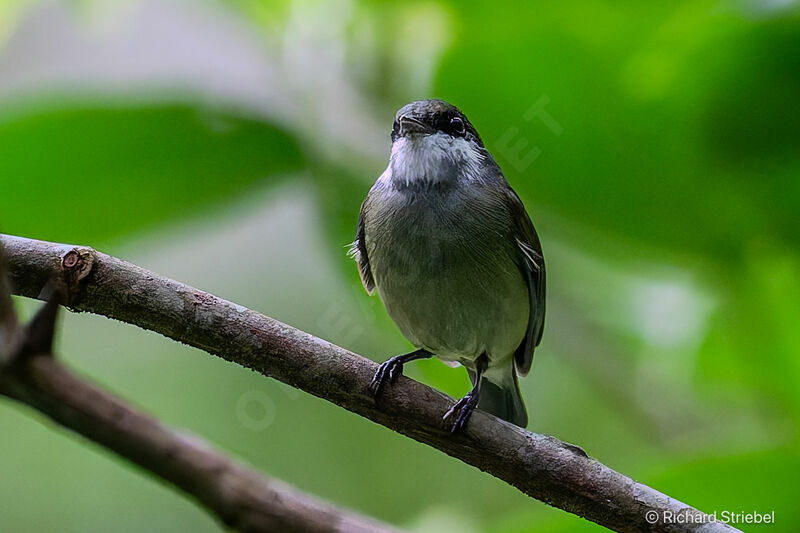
456,418
382,375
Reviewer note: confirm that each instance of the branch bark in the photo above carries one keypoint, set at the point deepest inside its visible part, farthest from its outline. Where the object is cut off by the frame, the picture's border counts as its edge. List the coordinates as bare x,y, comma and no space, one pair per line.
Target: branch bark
541,466
241,498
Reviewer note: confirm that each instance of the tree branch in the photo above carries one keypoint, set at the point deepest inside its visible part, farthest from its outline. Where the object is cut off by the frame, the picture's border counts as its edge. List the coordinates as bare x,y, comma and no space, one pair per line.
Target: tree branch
541,466
242,498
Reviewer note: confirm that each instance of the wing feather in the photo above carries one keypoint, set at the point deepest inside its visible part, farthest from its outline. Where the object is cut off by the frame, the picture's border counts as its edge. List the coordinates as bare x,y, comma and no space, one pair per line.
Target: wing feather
531,262
358,251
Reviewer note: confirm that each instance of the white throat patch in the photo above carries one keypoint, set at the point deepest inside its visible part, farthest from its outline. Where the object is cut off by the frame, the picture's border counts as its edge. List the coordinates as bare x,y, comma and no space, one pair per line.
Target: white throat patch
434,158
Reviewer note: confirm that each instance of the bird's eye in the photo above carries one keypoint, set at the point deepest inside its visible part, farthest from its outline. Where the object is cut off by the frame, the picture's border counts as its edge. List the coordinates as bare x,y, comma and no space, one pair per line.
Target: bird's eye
458,125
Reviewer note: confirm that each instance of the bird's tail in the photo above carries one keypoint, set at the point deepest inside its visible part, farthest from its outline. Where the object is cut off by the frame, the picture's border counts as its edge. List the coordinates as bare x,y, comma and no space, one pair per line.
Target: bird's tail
502,399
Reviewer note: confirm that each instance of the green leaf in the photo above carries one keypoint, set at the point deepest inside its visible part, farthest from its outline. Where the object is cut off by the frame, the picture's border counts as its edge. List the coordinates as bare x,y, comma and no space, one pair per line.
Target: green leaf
93,174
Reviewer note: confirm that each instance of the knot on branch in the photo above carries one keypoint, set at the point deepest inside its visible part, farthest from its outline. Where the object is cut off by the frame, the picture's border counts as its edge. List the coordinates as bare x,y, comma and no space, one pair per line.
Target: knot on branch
76,264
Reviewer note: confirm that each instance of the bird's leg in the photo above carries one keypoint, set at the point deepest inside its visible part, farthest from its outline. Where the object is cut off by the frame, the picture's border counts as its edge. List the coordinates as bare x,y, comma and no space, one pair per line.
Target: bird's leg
392,369
458,415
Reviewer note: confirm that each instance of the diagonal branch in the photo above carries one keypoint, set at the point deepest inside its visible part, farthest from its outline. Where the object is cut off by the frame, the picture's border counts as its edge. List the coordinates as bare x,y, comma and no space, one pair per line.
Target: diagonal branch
541,466
241,498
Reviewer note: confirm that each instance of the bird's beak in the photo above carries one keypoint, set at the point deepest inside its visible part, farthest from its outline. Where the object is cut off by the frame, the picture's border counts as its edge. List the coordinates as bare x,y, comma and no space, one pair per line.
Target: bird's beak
411,125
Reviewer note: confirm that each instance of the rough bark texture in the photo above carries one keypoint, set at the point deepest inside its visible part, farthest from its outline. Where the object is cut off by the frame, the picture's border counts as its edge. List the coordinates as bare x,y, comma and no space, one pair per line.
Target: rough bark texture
559,474
241,498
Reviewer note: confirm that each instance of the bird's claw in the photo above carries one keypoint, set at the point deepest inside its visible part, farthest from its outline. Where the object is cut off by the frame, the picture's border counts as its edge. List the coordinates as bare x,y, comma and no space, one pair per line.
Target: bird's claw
460,413
388,371
395,372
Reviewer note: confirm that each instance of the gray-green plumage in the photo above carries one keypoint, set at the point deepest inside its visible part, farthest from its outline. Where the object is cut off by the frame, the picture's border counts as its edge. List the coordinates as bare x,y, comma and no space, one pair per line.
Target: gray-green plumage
451,251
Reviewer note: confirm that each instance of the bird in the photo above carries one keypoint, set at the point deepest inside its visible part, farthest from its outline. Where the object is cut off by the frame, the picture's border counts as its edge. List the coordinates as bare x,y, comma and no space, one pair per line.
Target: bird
450,249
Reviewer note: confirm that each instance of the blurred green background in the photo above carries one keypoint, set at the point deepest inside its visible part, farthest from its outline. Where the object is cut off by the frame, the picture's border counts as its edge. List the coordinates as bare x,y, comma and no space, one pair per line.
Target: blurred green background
229,145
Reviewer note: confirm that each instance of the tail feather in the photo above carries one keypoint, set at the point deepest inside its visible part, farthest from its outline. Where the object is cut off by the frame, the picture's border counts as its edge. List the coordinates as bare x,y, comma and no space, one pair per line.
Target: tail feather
503,400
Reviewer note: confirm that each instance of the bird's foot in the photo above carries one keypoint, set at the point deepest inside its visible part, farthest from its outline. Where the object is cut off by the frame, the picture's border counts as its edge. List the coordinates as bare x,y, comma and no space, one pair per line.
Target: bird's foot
388,371
456,418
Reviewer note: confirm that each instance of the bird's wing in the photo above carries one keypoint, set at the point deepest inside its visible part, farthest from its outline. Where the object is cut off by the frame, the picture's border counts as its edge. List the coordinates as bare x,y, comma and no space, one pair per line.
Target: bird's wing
531,262
358,250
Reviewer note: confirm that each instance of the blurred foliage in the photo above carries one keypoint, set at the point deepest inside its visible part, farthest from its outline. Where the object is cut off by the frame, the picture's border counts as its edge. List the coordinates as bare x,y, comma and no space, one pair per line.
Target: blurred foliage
105,173
674,117
663,174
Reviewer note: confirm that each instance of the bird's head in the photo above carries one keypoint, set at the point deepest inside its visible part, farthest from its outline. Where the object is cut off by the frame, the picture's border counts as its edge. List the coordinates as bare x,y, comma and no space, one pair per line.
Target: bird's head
432,117
434,142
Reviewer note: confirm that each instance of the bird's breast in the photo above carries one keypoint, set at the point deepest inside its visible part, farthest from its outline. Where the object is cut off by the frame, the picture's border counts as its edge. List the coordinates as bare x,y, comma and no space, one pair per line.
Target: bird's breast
443,262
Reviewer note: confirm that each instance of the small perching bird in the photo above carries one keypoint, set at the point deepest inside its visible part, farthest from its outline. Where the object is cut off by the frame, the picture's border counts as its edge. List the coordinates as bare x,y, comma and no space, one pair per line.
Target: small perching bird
455,258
